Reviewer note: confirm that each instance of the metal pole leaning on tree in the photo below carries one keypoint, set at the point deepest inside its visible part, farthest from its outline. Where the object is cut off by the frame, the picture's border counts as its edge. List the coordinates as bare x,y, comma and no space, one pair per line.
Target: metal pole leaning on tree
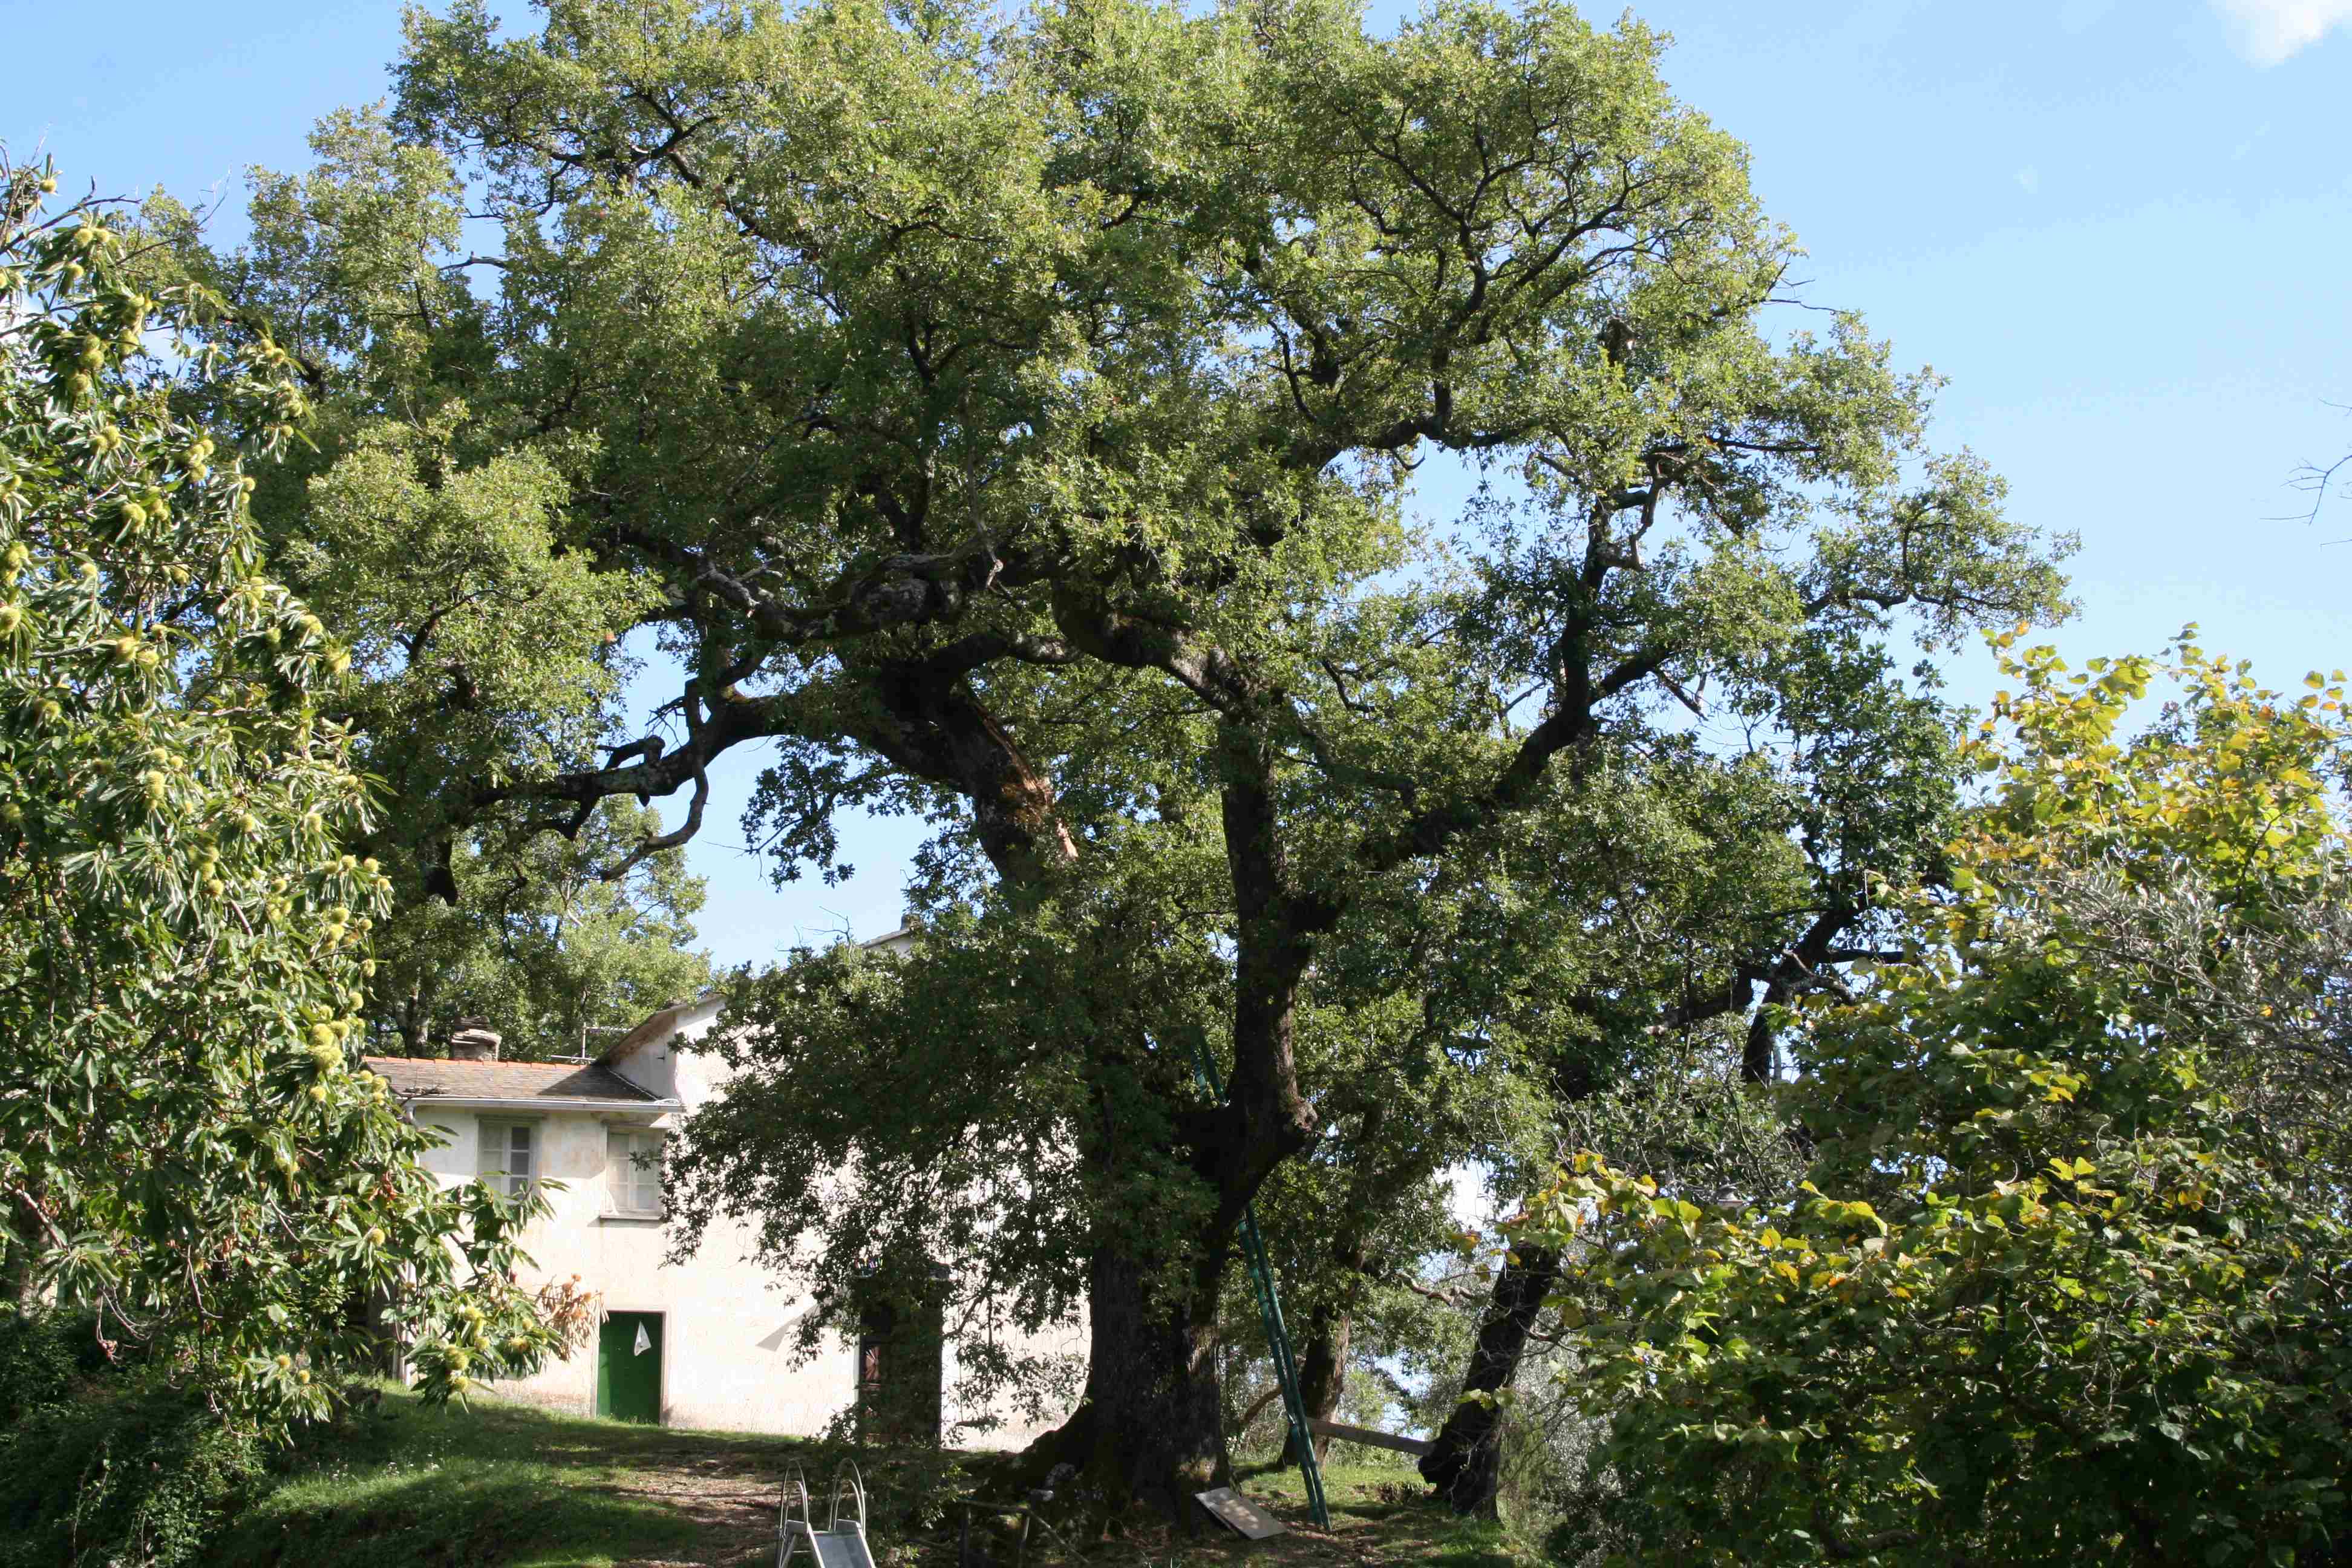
1277,1339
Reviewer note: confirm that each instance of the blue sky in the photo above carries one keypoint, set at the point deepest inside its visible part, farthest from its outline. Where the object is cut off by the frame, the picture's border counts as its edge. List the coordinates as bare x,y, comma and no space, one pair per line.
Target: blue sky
2122,228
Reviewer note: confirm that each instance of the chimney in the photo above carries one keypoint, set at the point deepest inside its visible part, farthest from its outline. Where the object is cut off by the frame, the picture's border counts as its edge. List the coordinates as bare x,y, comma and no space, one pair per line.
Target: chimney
473,1040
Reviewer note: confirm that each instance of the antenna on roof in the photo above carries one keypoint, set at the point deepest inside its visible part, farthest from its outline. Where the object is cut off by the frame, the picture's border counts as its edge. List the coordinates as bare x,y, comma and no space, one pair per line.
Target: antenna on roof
588,1029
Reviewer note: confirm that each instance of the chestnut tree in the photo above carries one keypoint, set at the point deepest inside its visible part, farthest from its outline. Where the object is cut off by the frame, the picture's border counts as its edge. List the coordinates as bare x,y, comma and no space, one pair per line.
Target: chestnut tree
186,1151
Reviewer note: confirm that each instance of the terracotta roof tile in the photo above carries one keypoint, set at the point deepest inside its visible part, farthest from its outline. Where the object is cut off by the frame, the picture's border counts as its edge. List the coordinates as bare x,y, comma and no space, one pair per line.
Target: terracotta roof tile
434,1077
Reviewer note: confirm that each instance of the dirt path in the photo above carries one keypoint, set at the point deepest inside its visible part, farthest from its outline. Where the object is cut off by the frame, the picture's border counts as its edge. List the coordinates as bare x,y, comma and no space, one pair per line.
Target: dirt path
728,1496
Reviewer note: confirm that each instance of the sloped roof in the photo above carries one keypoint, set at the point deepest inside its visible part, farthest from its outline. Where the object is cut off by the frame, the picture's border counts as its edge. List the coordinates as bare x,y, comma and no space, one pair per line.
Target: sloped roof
435,1077
659,1024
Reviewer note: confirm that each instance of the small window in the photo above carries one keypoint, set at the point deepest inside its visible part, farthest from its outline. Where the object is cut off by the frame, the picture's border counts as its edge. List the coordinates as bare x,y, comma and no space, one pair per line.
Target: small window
633,1169
510,1156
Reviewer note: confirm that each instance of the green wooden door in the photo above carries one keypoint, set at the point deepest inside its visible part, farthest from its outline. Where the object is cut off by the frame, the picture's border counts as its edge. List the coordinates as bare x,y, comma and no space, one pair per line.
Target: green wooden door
628,1367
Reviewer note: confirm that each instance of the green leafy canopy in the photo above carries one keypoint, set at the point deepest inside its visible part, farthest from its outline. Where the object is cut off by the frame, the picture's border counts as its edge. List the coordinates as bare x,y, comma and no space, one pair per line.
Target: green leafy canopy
184,1147
2068,1273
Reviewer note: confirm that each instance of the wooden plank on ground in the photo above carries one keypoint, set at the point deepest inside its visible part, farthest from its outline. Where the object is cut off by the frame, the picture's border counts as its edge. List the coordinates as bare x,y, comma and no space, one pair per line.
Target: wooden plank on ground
1238,1511
1413,1445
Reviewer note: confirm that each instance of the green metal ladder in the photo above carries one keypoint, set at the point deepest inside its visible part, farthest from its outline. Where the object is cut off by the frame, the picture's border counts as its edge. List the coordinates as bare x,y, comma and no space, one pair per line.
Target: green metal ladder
1277,1338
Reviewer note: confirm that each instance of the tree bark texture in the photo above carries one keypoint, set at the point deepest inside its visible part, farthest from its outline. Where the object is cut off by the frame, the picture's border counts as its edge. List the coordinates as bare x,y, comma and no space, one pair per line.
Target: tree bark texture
1467,1466
16,1273
20,1243
1150,1429
1323,1371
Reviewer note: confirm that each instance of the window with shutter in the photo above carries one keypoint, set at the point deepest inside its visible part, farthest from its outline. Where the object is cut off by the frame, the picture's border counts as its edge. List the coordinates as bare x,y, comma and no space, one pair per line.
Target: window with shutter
633,1169
509,1155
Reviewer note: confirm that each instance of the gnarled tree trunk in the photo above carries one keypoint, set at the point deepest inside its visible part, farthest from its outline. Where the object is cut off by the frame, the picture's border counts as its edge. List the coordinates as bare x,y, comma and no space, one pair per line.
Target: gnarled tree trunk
1149,1429
1323,1370
20,1243
1467,1466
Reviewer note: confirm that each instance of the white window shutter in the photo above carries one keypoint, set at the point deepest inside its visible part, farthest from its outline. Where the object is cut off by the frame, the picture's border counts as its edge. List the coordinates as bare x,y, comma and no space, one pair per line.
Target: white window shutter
633,1171
508,1156
648,1176
616,1167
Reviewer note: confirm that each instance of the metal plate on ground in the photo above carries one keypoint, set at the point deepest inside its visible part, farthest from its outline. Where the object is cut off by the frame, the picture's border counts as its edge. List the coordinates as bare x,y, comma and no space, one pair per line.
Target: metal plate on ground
1240,1513
842,1549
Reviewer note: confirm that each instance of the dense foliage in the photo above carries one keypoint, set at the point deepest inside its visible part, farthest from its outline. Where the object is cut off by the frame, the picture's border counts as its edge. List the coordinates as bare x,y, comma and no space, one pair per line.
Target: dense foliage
105,1465
558,956
480,646
1013,421
2068,1276
185,1150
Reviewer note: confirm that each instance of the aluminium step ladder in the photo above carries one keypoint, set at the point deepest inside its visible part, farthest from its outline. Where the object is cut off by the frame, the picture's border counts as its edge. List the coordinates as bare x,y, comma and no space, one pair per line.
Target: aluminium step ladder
842,1543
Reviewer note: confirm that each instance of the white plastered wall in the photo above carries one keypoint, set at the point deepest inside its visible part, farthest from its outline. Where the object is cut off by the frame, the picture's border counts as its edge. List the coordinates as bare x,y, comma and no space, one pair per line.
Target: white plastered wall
1000,1424
731,1356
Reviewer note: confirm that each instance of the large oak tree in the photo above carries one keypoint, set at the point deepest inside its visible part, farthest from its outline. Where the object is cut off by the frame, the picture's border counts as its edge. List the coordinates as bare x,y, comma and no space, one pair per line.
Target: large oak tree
1017,422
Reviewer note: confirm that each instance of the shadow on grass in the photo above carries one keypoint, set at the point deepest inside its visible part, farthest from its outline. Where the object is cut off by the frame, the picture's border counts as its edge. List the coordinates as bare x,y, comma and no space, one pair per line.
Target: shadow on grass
519,1517
508,1485
404,1485
1384,1514
498,1485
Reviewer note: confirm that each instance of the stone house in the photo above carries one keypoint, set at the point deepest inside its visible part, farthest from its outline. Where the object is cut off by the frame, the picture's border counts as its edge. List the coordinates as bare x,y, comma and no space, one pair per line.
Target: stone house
709,1342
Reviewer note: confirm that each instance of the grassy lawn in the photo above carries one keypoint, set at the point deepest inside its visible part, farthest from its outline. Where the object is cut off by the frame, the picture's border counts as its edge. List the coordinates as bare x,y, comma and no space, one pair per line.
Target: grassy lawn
504,1486
1380,1514
508,1485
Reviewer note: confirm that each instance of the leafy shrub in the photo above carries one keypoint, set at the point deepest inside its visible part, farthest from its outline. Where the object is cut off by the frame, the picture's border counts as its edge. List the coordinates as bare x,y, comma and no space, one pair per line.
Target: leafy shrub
187,1148
136,1477
40,1355
2069,1279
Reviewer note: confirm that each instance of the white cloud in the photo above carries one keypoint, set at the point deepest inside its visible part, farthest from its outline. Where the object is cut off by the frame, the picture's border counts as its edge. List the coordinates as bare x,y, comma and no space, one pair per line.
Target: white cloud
2031,178
2267,31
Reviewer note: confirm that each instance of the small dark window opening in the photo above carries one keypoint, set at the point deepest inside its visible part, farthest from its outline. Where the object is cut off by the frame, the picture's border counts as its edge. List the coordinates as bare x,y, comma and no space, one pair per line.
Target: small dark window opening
873,1332
901,1334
